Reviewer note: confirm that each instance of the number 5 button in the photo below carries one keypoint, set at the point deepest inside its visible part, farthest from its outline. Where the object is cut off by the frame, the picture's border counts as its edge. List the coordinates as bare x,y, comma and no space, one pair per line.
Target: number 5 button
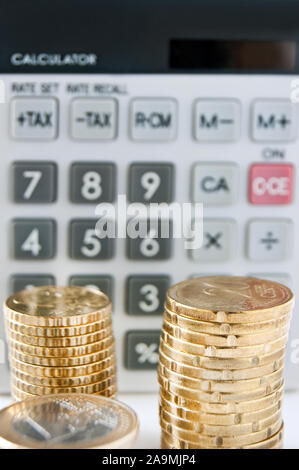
146,294
34,238
151,182
85,242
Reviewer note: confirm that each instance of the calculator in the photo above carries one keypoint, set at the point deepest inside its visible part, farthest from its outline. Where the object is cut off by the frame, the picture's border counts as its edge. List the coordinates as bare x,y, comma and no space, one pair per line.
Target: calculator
158,102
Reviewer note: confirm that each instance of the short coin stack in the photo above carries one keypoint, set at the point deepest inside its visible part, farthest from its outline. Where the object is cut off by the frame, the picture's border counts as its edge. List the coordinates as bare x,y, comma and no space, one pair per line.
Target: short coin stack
221,363
60,341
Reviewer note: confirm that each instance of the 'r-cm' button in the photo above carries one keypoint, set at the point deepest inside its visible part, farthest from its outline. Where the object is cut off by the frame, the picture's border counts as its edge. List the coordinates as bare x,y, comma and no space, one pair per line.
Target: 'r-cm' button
271,184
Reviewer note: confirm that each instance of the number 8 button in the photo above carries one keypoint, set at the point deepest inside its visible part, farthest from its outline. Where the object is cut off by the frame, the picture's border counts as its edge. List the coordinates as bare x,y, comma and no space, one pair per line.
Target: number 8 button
151,182
92,183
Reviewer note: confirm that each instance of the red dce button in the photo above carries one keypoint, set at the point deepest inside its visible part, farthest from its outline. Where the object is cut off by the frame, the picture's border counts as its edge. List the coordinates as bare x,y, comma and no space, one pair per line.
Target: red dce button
271,183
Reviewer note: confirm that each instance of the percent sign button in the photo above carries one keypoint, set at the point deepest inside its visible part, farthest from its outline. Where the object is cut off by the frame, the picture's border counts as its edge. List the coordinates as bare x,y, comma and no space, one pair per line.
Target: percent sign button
142,349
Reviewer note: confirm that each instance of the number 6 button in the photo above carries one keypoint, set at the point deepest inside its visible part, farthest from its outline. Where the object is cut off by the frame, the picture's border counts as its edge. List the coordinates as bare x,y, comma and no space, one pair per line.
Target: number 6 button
34,238
146,294
85,242
151,182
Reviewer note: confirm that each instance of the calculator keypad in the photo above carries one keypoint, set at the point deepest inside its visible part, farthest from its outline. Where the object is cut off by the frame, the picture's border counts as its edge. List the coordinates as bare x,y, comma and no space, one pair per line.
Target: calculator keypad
153,119
142,349
187,141
145,294
93,119
34,118
271,183
270,240
217,120
273,121
219,241
26,281
101,282
34,239
85,242
151,182
93,182
215,183
34,182
156,245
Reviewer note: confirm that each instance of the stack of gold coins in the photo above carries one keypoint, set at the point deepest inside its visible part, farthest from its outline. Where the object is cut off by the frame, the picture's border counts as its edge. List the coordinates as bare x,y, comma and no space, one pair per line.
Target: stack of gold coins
60,341
221,363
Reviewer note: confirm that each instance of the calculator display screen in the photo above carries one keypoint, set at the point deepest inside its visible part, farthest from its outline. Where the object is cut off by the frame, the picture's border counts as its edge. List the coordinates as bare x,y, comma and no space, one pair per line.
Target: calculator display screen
232,55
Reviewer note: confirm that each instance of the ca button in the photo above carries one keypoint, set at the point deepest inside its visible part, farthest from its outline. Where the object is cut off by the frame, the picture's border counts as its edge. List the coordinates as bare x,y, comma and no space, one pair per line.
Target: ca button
215,183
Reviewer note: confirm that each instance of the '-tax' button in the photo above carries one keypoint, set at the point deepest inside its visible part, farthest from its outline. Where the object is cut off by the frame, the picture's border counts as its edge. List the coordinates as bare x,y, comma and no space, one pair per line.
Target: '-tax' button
93,119
271,184
34,118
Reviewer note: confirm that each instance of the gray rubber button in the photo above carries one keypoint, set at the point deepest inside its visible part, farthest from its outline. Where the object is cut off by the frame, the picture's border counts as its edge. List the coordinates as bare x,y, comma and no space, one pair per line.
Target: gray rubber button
142,349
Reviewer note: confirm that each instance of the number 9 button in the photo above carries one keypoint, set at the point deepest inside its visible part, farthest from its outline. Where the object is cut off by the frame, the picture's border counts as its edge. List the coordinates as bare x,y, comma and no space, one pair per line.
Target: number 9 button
151,182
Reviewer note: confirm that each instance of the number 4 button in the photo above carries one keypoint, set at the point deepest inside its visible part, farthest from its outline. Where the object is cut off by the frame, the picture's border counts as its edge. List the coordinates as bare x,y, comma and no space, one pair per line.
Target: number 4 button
34,238
146,294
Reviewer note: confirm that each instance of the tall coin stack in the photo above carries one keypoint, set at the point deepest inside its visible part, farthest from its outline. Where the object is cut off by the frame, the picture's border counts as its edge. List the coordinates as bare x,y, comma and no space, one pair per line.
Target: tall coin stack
60,341
221,363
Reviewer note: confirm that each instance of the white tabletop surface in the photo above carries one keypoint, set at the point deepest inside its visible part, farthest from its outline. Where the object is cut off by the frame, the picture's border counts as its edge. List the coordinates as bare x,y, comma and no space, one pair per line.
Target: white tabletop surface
146,406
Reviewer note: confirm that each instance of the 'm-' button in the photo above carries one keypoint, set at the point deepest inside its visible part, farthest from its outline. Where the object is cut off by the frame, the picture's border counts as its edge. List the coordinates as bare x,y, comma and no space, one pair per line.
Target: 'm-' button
271,184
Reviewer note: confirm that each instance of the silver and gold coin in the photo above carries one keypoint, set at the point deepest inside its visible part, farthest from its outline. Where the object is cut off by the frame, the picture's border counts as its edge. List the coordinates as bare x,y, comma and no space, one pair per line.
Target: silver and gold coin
68,422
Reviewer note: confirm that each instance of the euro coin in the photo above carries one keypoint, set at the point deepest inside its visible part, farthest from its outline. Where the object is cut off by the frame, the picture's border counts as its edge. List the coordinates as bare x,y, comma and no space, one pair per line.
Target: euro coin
68,422
219,363
220,375
223,353
221,441
217,397
64,381
38,390
62,352
219,430
230,299
107,360
53,306
225,329
217,419
224,341
228,386
231,408
57,332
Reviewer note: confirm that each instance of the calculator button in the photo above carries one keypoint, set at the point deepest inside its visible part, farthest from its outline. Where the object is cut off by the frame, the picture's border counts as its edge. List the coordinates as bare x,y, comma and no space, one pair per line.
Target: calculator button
219,241
94,119
151,182
93,182
34,182
215,183
271,183
101,282
34,118
153,246
26,281
284,279
153,119
273,121
142,349
145,295
85,243
34,238
217,120
269,240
